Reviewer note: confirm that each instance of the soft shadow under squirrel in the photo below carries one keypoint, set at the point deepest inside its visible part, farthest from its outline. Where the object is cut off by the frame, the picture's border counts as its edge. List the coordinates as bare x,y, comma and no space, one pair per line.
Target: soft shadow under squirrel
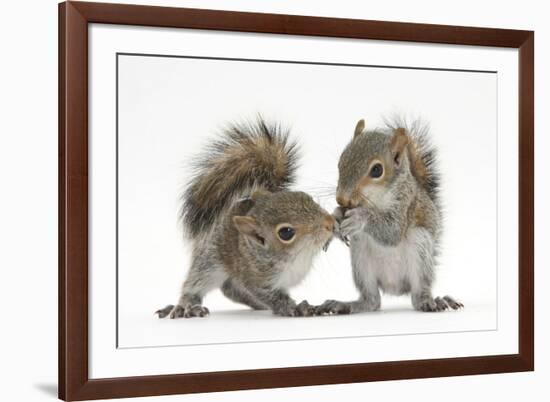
252,237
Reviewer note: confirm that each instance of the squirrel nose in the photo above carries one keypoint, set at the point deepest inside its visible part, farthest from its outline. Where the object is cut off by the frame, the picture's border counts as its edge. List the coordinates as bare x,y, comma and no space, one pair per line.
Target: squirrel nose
345,202
342,200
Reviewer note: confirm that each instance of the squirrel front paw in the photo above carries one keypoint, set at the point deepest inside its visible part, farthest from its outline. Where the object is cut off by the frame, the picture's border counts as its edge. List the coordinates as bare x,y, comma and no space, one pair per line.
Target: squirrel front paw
304,309
338,214
353,222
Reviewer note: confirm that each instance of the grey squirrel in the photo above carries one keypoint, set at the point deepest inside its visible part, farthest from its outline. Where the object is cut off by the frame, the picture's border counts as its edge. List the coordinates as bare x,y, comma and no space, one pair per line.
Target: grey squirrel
389,211
252,237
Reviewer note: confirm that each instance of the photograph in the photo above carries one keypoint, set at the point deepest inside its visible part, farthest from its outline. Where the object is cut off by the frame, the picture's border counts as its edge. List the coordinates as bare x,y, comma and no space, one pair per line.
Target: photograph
252,191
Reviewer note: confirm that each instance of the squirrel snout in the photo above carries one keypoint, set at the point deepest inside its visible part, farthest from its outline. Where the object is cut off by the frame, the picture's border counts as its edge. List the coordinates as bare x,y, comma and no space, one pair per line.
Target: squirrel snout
345,202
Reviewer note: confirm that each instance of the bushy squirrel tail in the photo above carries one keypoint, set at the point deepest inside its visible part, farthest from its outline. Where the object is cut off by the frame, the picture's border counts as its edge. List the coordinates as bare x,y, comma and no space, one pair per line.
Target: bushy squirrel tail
246,157
422,153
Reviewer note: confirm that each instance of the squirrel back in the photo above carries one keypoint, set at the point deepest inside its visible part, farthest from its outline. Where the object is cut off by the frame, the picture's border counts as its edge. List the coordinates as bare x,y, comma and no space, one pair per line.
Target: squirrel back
246,157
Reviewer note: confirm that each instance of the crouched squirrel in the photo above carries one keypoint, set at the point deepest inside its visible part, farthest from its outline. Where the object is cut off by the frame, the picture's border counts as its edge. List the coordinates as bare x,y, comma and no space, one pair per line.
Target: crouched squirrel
389,212
251,236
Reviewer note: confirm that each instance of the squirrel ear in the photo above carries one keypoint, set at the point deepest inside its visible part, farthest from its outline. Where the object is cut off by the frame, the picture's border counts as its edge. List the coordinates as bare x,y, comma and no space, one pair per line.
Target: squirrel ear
247,226
359,128
399,141
244,205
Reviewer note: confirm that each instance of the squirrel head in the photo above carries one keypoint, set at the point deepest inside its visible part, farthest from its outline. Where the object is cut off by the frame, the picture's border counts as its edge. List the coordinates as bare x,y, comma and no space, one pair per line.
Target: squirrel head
370,165
285,223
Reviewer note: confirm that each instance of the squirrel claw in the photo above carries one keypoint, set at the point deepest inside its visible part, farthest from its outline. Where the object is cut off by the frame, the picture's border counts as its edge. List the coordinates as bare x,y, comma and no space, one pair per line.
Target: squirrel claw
439,304
452,303
163,312
325,246
187,311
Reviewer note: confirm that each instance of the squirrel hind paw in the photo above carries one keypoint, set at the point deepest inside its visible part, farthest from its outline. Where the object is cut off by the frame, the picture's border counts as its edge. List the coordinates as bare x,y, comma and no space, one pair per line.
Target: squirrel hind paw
439,304
452,303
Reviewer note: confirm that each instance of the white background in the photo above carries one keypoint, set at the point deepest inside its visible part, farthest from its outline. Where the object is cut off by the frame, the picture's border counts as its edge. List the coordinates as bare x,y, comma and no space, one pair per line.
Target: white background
29,202
170,107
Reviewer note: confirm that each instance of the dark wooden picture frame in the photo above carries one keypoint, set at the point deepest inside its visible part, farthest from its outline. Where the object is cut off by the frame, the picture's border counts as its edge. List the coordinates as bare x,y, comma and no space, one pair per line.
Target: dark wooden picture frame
74,381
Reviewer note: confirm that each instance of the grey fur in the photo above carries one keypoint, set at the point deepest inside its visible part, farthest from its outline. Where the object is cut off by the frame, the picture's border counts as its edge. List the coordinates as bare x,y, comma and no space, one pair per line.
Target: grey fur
394,226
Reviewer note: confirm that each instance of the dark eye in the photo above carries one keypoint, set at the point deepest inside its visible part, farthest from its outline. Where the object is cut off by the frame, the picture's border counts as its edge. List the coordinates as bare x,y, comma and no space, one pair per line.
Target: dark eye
376,171
286,233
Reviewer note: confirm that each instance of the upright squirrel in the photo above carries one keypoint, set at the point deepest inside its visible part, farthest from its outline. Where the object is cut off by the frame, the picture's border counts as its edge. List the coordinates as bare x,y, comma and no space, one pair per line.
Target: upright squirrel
251,236
389,211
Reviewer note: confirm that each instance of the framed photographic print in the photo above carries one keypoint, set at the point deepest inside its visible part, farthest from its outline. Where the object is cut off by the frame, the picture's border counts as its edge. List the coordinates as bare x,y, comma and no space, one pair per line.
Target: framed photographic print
259,200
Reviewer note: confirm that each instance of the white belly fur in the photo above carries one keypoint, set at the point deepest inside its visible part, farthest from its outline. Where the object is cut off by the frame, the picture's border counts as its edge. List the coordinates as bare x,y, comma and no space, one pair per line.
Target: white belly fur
295,272
396,269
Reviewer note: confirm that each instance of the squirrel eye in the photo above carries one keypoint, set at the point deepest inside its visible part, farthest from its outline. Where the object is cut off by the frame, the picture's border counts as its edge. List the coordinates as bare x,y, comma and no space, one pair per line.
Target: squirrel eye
286,233
376,171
